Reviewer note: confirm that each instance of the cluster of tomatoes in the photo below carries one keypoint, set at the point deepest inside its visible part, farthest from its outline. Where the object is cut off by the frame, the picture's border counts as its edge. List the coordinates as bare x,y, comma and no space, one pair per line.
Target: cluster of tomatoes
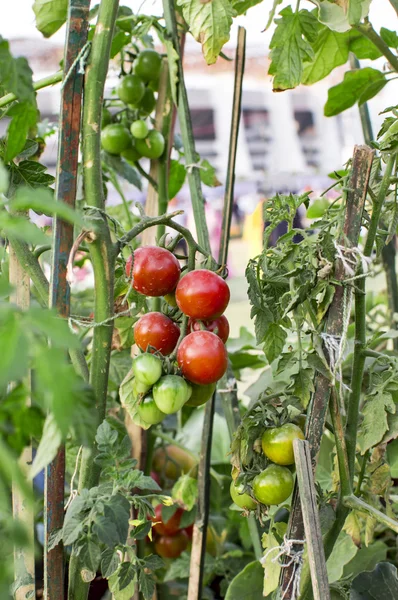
170,539
200,356
274,484
130,136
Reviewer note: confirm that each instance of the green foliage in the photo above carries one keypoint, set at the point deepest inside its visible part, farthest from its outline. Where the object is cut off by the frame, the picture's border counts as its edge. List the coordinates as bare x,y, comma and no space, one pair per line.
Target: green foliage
380,584
247,584
357,86
50,15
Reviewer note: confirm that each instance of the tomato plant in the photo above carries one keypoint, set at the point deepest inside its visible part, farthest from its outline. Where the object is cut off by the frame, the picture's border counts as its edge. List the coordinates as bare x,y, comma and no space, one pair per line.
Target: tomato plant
155,331
156,271
202,357
202,294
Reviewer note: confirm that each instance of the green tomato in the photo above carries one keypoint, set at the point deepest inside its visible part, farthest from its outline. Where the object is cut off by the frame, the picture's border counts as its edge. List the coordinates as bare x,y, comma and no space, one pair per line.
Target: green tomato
147,103
149,412
171,393
277,443
152,146
147,369
154,84
106,117
139,129
201,394
115,138
131,154
148,64
131,89
240,498
273,485
139,388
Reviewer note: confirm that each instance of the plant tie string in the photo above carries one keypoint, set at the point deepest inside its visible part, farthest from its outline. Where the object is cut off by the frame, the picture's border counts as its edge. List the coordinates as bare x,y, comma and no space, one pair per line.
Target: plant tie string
295,558
73,492
90,324
80,62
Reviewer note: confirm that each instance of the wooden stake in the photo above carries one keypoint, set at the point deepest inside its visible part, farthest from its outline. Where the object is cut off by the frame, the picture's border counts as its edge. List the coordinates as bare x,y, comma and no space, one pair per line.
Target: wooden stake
312,525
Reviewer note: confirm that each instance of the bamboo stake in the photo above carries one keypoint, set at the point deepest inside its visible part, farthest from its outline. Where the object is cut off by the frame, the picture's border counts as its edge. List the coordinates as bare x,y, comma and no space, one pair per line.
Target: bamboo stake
68,147
312,525
24,557
357,186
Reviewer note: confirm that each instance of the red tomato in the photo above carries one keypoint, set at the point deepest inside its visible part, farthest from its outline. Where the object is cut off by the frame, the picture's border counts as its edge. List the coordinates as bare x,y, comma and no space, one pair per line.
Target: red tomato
202,294
189,531
156,330
156,271
202,357
169,527
219,326
156,478
171,546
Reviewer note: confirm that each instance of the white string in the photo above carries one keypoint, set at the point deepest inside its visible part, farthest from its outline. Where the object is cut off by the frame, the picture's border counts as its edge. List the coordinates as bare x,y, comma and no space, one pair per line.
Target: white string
194,165
73,493
80,60
295,558
89,324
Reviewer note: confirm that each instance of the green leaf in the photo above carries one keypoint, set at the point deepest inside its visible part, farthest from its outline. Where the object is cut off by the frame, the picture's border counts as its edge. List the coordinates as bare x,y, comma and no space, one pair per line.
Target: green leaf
343,551
48,447
74,520
290,47
48,323
125,574
331,50
29,173
303,385
349,91
110,561
106,437
248,584
209,23
147,584
120,39
43,201
90,555
4,178
332,15
14,348
20,228
357,10
390,37
366,559
23,118
392,454
50,15
208,174
185,492
122,168
117,512
379,584
272,13
271,568
15,74
363,48
274,341
177,174
374,423
241,6
172,58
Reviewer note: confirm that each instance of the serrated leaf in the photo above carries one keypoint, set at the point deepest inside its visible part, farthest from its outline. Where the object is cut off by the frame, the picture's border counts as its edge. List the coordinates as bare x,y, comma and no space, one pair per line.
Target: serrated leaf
185,492
303,385
274,341
290,47
29,173
363,48
54,538
389,37
106,437
23,117
109,562
331,50
154,562
374,424
16,74
147,584
208,174
262,320
355,85
73,523
90,555
126,574
177,174
50,15
209,23
241,6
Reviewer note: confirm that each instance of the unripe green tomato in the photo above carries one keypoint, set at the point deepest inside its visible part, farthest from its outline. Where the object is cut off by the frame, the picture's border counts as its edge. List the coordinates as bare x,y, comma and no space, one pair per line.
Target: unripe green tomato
115,138
171,299
106,117
154,84
240,498
131,154
273,485
148,64
131,89
147,368
170,393
277,443
152,146
140,388
139,129
147,103
149,412
201,394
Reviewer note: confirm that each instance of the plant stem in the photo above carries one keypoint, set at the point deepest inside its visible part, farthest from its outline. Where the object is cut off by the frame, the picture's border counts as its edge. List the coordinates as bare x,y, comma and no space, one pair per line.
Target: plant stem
37,85
146,176
367,30
102,251
362,473
355,503
344,472
360,323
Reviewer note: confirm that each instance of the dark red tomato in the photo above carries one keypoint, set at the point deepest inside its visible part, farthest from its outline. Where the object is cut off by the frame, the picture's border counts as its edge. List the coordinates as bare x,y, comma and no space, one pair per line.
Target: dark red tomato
189,531
169,527
158,331
171,546
202,357
156,271
202,294
219,326
156,478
